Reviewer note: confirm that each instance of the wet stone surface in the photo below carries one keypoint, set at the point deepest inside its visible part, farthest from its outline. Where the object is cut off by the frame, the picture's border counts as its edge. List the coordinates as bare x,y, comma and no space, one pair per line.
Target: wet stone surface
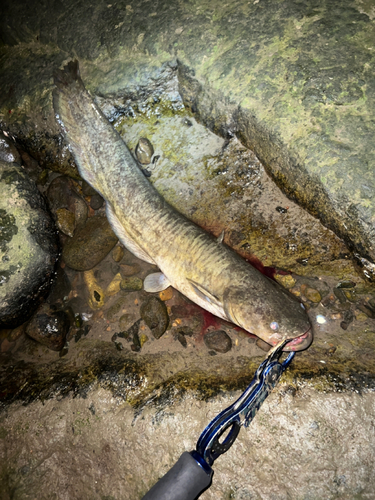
49,327
28,246
218,340
154,313
90,244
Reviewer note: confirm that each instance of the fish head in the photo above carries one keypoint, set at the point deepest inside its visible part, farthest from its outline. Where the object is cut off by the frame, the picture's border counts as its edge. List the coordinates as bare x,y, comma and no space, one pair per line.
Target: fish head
273,314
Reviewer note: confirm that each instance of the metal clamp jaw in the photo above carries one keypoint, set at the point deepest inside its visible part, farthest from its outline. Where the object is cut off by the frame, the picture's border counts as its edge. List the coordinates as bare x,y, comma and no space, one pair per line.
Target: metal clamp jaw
229,421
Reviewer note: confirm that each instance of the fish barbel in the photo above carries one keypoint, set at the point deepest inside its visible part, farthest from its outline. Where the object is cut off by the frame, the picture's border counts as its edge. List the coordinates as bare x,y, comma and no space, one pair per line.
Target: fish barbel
198,265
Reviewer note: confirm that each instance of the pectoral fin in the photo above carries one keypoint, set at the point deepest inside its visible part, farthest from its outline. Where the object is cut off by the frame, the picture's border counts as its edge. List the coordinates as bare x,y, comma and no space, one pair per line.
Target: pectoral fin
203,293
156,282
207,300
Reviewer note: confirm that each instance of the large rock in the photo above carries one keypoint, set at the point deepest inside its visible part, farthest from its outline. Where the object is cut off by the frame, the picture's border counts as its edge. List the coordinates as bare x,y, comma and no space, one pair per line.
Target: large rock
28,246
293,80
90,244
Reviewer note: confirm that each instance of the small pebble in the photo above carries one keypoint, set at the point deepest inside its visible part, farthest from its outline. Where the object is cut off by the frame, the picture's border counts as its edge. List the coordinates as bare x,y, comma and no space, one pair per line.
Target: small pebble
328,301
143,339
146,172
166,294
348,317
119,346
117,253
185,331
350,295
187,122
65,220
336,316
136,341
130,270
312,295
281,210
96,201
218,340
87,190
360,316
16,333
49,327
114,286
286,280
367,310
154,313
181,338
131,284
340,295
346,284
331,350
295,291
144,151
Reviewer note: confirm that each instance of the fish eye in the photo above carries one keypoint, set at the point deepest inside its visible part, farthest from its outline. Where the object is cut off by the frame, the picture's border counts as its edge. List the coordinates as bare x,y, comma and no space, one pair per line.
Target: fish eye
274,325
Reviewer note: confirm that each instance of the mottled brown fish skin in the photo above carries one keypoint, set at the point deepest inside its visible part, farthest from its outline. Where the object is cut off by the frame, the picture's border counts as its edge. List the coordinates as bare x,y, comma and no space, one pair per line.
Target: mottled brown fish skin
203,269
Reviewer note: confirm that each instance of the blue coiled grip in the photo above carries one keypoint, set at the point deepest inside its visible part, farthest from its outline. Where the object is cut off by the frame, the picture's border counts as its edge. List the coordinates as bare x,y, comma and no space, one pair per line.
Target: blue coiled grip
186,480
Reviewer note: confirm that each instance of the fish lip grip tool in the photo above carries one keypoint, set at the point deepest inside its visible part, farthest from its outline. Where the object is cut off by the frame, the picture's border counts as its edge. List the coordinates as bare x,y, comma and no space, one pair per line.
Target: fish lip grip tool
192,473
244,409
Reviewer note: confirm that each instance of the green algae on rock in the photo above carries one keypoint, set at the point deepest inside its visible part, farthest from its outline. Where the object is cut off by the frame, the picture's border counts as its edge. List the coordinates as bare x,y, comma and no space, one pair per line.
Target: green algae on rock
28,246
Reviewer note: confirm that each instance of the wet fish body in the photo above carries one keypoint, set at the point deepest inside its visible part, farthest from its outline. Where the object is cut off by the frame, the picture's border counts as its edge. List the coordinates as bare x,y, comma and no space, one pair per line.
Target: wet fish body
191,260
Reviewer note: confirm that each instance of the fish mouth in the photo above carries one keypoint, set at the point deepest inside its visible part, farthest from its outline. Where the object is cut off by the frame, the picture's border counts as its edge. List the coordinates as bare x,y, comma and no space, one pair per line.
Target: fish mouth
300,343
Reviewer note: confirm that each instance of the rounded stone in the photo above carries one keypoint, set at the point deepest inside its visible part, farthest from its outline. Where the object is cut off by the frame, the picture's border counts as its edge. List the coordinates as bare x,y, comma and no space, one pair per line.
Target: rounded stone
218,340
130,269
87,190
313,295
65,221
154,313
144,151
8,151
131,284
62,193
49,327
28,246
286,280
96,201
118,253
90,244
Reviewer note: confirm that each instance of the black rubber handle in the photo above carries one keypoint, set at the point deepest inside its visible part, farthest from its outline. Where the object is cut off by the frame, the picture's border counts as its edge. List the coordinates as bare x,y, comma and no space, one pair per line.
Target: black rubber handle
186,480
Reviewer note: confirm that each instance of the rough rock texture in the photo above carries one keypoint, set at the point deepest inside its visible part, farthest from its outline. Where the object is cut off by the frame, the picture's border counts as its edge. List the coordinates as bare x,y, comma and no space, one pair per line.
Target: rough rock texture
293,80
28,246
302,446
